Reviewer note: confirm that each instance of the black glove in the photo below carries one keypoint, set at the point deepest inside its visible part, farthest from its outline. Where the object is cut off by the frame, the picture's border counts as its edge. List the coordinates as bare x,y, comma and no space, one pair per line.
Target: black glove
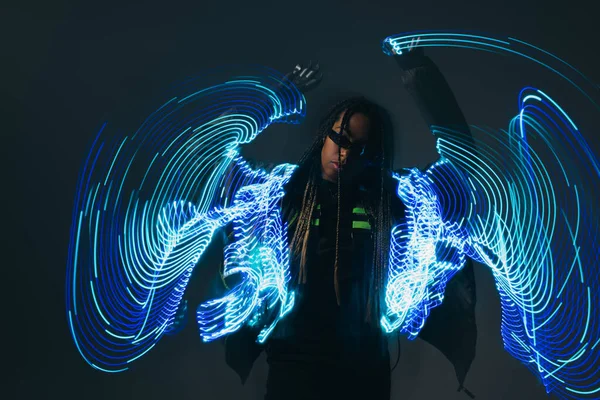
412,55
305,78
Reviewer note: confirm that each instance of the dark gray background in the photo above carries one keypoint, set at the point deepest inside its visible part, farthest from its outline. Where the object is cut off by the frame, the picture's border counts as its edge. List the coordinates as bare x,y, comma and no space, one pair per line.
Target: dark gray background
69,66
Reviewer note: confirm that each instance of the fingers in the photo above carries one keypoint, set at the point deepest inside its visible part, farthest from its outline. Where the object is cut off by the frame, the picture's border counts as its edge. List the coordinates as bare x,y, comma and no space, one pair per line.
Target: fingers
414,42
313,82
309,70
301,74
299,70
304,70
387,47
312,71
305,77
291,74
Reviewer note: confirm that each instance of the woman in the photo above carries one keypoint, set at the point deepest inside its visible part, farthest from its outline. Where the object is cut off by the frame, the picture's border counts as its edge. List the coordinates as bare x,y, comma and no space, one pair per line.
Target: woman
340,206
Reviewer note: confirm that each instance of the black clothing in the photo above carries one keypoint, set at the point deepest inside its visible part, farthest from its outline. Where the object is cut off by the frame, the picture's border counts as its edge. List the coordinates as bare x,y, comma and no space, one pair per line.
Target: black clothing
451,326
322,349
321,343
323,382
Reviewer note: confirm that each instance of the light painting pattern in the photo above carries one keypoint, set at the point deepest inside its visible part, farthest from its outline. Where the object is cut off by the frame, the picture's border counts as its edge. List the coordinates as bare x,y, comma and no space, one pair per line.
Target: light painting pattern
522,201
148,206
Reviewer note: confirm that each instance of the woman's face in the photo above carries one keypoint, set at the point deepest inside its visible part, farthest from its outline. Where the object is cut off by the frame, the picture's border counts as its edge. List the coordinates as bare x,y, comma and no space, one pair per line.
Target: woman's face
350,165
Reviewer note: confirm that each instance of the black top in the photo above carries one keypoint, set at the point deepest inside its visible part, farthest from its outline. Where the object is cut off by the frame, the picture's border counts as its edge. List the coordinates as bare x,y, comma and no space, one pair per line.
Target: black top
319,330
330,338
322,348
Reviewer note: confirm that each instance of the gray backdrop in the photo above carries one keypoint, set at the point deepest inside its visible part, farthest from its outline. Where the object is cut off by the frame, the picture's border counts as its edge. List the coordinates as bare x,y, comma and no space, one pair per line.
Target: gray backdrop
70,66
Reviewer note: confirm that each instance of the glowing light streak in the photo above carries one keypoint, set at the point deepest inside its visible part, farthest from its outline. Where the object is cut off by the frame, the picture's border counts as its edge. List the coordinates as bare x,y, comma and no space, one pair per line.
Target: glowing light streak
498,204
514,228
506,45
131,270
112,164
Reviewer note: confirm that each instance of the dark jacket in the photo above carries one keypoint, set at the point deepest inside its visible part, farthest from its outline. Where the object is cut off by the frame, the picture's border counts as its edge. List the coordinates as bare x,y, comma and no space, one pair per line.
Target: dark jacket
451,326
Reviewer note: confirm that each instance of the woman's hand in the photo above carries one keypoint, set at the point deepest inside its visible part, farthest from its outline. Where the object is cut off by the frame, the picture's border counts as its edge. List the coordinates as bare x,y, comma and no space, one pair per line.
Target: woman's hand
411,48
305,78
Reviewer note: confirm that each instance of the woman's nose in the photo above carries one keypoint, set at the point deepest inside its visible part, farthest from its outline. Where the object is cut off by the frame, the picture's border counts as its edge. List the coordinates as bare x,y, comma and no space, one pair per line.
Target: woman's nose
343,153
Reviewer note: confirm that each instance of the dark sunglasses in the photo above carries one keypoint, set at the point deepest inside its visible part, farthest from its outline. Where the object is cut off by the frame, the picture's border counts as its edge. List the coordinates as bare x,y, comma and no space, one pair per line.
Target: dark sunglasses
344,142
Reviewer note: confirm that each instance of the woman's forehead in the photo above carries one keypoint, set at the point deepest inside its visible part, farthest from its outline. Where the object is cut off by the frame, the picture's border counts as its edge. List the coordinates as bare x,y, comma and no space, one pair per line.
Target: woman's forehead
357,127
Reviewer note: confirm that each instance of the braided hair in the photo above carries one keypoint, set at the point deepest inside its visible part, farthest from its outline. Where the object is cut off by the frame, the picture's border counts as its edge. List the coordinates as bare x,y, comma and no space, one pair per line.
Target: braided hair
377,205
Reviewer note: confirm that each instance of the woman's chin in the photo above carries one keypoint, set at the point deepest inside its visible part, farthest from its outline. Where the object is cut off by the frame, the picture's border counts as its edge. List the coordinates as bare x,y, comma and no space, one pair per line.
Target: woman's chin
330,178
346,174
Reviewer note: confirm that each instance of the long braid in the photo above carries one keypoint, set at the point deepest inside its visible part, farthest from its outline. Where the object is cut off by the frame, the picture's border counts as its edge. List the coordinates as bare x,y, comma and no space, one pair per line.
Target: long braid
336,284
384,232
345,121
304,225
380,244
378,208
308,174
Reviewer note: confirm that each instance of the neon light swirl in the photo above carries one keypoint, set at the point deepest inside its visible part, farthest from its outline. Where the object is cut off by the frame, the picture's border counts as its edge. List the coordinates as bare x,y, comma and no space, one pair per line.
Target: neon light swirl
524,204
136,236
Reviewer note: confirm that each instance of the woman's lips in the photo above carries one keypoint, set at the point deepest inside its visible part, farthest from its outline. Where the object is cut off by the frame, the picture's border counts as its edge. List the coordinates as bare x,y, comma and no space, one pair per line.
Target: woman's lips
336,165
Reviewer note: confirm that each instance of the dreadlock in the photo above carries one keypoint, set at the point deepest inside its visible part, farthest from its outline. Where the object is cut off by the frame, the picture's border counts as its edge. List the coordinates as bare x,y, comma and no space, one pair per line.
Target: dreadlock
377,205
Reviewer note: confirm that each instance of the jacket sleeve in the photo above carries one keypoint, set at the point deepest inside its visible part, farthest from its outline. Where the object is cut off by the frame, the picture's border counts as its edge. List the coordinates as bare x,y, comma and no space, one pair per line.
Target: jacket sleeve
241,349
435,100
450,327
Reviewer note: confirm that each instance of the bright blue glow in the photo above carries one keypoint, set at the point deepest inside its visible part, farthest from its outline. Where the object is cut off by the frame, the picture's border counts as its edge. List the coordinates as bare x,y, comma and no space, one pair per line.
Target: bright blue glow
153,204
555,105
401,42
516,205
259,253
417,274
537,233
530,229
